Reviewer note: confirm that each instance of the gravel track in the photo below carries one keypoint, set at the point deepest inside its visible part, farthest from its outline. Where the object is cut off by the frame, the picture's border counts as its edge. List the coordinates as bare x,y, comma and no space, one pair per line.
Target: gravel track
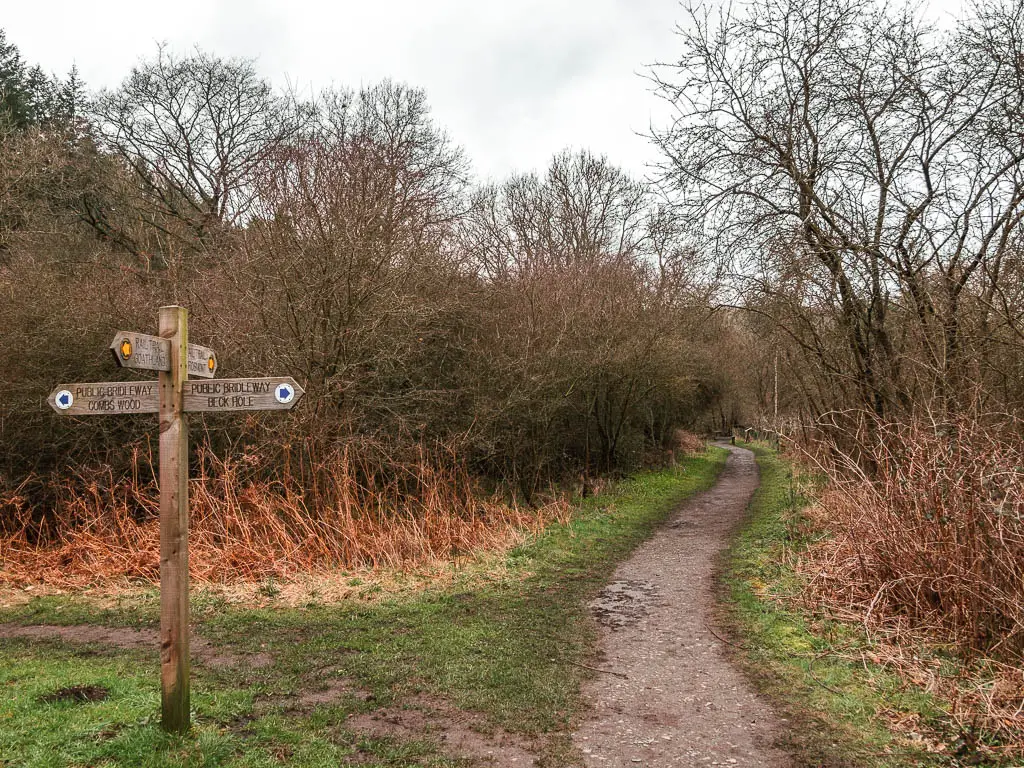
670,695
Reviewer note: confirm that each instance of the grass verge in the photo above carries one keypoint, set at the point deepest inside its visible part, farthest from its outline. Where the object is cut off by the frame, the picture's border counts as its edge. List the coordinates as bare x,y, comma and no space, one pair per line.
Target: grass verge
502,642
844,709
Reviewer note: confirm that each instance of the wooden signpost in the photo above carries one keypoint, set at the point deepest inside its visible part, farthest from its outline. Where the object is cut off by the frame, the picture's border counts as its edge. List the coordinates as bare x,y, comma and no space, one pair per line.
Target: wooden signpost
173,396
274,393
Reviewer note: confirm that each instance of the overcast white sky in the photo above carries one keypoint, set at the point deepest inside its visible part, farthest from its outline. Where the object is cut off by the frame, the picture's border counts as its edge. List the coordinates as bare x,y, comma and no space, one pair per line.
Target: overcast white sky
512,81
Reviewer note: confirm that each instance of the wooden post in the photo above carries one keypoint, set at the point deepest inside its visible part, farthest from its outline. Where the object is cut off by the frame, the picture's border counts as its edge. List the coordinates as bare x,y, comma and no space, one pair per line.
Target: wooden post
173,396
174,619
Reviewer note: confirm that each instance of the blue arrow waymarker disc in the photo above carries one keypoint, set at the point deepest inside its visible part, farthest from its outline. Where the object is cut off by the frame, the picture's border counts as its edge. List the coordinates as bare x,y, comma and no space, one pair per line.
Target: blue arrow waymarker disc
64,399
284,393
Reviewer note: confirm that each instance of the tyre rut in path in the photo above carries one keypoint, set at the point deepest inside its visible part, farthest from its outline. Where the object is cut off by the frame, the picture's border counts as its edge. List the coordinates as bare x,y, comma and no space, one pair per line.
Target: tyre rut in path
673,698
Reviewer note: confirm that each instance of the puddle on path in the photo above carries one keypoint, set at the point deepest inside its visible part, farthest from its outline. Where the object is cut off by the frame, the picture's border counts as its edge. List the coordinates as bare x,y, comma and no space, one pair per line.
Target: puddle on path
623,603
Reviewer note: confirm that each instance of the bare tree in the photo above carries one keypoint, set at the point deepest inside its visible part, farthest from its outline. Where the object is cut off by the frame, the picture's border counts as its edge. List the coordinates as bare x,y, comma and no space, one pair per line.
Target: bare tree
589,286
194,131
582,211
347,259
852,153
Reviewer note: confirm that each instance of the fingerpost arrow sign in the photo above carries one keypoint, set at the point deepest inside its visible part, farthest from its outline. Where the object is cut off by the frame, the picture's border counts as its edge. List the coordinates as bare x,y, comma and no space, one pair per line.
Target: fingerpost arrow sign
172,395
153,353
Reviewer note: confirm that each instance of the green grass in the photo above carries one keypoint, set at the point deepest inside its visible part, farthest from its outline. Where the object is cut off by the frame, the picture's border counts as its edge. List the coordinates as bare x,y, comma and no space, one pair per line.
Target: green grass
837,706
502,642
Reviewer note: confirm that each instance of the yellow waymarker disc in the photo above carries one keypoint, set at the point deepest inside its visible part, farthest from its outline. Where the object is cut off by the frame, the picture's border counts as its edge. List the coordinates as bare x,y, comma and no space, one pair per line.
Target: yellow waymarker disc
126,348
210,362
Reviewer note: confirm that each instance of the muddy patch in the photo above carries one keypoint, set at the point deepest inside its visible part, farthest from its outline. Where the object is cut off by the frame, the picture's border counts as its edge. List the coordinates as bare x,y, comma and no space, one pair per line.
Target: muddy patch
456,733
332,692
685,527
135,639
623,603
206,654
79,694
319,688
119,637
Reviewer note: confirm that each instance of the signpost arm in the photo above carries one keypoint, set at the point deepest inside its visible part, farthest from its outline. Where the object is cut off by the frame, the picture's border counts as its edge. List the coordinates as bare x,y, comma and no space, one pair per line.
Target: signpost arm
174,609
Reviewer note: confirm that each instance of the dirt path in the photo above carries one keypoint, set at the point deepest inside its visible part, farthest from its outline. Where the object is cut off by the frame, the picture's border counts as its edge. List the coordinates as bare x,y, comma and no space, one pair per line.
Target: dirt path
675,700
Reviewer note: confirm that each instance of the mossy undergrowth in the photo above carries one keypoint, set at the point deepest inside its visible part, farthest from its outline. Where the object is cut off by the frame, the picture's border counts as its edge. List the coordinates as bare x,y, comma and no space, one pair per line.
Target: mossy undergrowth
843,709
